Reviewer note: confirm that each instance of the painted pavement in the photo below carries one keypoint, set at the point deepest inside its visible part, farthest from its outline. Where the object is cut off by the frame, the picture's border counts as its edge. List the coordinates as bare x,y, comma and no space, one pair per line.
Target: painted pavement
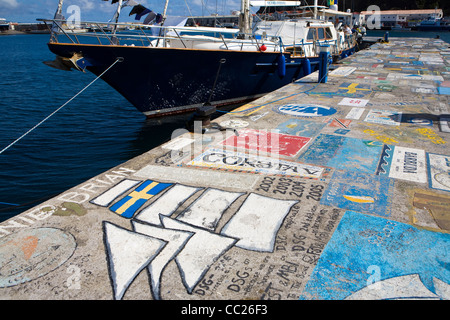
333,191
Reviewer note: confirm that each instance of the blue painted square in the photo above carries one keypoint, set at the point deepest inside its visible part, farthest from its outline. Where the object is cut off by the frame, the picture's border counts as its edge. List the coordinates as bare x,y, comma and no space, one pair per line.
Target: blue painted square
357,191
302,128
322,149
400,260
444,90
342,131
343,153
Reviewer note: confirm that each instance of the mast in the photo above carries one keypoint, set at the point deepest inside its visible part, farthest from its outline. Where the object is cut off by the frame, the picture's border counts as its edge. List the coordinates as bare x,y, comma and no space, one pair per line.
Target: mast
244,17
58,16
315,8
116,16
58,12
164,15
165,9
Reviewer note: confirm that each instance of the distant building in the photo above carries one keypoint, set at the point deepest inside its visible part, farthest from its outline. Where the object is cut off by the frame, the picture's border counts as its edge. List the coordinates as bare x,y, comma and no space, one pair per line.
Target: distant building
390,18
358,18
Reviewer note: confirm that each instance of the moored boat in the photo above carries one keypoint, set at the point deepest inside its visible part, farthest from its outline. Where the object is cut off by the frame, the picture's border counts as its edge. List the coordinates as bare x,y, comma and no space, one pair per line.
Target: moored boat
168,69
433,24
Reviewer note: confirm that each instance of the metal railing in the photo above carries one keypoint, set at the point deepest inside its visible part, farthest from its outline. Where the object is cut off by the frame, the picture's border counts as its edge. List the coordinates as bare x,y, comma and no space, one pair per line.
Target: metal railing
126,34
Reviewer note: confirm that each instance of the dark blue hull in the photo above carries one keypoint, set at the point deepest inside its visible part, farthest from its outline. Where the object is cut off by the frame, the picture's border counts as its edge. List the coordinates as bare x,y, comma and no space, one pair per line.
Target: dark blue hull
159,81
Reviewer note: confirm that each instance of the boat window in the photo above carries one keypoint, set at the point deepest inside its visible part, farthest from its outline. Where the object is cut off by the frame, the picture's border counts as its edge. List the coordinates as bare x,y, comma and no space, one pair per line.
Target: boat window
295,51
321,33
328,33
311,34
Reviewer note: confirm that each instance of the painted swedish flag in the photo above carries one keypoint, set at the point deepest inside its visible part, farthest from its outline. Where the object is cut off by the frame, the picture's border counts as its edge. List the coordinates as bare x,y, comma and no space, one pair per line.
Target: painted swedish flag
128,206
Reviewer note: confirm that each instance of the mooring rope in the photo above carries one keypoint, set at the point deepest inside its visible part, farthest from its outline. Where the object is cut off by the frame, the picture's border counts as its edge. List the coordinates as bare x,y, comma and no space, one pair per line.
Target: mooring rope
50,115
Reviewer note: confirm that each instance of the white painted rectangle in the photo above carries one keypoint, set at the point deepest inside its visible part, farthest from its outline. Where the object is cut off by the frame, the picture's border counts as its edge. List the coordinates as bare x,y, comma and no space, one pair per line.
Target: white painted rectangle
444,122
377,51
218,158
384,117
207,210
406,76
398,62
439,171
166,204
355,113
195,176
106,198
342,71
431,58
257,222
353,102
178,144
408,164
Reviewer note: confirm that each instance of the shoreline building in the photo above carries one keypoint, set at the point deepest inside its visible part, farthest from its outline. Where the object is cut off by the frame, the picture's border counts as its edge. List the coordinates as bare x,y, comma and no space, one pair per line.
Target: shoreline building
403,18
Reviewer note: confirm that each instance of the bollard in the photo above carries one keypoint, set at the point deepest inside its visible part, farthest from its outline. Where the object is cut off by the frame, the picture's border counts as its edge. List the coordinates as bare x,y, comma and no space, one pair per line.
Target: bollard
202,114
386,37
323,63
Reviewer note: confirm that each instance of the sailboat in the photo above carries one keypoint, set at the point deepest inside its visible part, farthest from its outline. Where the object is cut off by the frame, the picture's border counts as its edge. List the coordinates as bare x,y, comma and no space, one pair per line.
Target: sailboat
164,69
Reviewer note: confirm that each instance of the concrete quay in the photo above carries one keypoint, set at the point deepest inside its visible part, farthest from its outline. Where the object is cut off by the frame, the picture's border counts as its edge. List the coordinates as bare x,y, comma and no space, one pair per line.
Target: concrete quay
329,191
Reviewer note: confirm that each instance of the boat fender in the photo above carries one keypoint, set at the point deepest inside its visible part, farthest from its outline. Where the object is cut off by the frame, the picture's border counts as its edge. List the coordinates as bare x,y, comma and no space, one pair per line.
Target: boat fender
263,48
281,65
306,67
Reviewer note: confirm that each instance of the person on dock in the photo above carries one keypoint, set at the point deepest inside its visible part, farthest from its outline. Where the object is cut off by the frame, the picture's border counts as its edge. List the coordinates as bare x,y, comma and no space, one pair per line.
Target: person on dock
347,30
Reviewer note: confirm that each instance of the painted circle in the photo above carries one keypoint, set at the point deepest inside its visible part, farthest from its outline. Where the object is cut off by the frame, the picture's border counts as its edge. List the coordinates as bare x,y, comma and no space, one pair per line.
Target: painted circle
234,124
443,178
369,60
306,110
32,253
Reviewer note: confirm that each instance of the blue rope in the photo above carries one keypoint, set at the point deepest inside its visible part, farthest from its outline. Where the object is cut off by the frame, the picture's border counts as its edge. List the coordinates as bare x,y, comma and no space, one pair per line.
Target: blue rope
10,204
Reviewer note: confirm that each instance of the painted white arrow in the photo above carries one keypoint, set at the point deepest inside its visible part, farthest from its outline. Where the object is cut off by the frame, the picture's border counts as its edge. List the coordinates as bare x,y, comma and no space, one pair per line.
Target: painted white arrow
176,240
128,253
199,253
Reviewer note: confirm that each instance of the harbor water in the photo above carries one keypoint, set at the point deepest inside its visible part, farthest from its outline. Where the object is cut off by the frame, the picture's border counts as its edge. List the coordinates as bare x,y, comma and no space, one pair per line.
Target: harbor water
95,132
445,35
